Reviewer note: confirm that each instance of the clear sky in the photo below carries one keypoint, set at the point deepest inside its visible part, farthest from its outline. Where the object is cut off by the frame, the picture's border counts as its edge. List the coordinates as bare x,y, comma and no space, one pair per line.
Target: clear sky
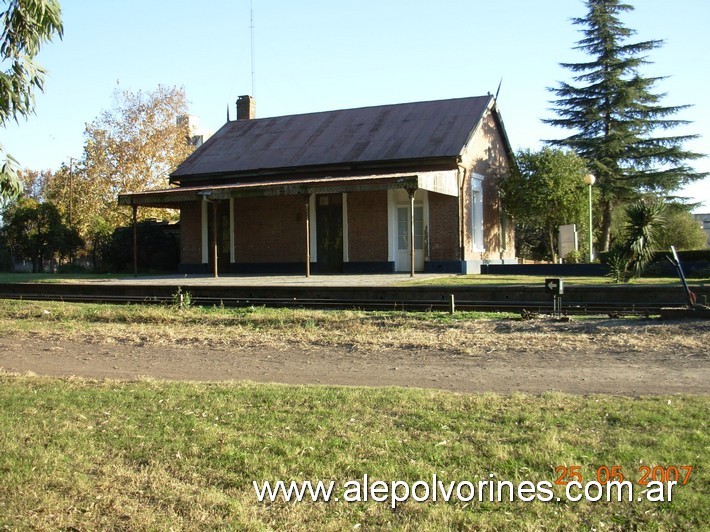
318,55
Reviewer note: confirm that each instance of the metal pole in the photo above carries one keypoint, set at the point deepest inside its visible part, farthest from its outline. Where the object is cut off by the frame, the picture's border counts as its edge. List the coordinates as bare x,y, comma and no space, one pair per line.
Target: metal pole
135,240
71,191
681,274
591,251
411,231
308,236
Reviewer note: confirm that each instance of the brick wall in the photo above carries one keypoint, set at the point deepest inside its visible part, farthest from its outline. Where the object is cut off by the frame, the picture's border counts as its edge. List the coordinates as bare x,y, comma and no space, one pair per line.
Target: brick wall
367,226
487,157
191,233
443,227
270,229
492,220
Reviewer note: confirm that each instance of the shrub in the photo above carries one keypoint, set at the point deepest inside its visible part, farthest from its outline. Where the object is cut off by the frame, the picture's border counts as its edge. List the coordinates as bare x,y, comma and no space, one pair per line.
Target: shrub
6,262
630,257
574,257
158,248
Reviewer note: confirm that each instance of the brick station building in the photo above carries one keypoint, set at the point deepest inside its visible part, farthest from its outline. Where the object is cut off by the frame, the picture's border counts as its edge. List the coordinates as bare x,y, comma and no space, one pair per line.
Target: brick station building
406,187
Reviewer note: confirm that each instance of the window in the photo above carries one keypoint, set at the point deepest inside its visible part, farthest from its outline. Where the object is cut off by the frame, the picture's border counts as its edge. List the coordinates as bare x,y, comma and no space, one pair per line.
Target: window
503,229
477,212
402,228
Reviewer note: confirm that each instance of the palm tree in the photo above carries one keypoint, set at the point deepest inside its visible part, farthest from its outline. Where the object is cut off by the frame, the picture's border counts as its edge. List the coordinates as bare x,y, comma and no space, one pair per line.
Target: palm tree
643,226
644,221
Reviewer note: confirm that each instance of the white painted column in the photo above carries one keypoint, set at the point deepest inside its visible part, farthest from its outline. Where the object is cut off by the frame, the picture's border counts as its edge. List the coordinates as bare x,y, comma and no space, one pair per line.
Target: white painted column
412,251
205,232
313,244
307,219
232,251
346,252
391,227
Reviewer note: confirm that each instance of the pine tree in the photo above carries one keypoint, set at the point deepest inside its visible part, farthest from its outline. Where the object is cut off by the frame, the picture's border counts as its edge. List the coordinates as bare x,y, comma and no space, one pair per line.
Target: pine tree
620,126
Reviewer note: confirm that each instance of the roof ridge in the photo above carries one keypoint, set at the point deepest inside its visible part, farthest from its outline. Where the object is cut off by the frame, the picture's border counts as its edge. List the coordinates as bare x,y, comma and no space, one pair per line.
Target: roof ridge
364,107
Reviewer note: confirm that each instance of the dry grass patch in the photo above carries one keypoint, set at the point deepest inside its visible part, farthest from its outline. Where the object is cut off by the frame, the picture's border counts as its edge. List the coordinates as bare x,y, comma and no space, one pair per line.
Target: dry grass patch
464,333
539,280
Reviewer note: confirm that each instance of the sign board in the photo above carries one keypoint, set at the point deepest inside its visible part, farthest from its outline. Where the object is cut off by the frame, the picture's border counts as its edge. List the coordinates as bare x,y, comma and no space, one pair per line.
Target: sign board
554,286
567,240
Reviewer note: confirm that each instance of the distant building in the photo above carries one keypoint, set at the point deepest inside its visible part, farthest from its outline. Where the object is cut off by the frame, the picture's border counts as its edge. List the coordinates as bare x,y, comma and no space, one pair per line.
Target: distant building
198,135
390,188
704,220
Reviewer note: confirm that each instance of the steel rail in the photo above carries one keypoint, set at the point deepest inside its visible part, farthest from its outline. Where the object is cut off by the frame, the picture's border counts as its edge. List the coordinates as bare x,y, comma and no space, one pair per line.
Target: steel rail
542,307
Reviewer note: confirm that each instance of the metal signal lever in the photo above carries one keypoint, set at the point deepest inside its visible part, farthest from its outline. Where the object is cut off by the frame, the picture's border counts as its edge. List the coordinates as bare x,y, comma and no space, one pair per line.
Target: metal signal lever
692,299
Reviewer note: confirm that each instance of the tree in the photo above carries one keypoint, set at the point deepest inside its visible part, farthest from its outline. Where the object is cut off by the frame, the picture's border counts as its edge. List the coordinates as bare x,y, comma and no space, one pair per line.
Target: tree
133,146
36,231
621,127
26,25
545,191
644,223
72,193
643,227
681,230
35,184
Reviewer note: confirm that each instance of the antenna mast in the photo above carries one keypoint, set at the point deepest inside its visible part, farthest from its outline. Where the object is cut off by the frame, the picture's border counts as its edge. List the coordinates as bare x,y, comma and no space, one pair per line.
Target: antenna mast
251,28
498,91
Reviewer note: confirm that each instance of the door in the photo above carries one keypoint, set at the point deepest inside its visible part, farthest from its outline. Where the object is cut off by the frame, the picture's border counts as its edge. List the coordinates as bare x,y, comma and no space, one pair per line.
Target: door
329,233
223,240
404,255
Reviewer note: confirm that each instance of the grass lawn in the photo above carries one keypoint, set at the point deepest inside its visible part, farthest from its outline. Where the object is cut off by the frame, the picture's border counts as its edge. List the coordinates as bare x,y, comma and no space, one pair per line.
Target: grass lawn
453,280
539,280
78,454
83,454
57,277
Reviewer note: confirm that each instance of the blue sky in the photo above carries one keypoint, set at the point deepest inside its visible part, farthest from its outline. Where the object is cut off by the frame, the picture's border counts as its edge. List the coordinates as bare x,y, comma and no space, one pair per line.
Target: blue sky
316,55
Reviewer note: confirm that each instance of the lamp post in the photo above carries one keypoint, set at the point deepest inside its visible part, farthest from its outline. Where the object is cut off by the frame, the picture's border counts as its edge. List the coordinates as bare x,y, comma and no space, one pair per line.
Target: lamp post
589,180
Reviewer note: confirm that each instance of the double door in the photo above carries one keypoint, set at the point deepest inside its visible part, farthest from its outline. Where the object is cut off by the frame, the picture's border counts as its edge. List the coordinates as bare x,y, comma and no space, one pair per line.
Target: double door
403,259
329,233
219,221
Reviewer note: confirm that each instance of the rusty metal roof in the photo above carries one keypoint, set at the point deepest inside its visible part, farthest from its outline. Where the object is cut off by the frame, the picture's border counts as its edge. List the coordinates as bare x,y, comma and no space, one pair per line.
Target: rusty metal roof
349,137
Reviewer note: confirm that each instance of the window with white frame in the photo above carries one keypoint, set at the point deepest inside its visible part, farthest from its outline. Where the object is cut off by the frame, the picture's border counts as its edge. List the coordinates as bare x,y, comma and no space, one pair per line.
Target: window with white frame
477,213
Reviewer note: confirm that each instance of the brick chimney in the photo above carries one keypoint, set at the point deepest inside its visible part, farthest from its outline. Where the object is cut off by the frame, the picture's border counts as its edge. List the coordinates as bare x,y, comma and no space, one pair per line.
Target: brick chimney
246,108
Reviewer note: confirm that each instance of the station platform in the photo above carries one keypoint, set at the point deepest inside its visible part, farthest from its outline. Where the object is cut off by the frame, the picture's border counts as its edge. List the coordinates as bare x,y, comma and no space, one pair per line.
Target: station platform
343,280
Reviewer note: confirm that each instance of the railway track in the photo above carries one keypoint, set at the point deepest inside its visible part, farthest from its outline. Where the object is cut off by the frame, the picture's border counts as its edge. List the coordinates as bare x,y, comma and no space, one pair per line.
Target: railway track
577,299
572,307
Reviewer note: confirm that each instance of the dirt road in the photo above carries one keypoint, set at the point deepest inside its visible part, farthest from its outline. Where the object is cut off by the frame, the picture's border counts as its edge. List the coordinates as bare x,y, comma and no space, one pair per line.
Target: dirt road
642,367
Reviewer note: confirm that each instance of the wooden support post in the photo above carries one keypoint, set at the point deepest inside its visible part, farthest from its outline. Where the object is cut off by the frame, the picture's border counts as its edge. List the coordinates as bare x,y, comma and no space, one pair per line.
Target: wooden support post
135,240
215,255
411,230
308,236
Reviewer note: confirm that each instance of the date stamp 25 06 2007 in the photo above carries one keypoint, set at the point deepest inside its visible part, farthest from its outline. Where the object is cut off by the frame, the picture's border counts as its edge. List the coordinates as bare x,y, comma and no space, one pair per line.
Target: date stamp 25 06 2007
646,474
